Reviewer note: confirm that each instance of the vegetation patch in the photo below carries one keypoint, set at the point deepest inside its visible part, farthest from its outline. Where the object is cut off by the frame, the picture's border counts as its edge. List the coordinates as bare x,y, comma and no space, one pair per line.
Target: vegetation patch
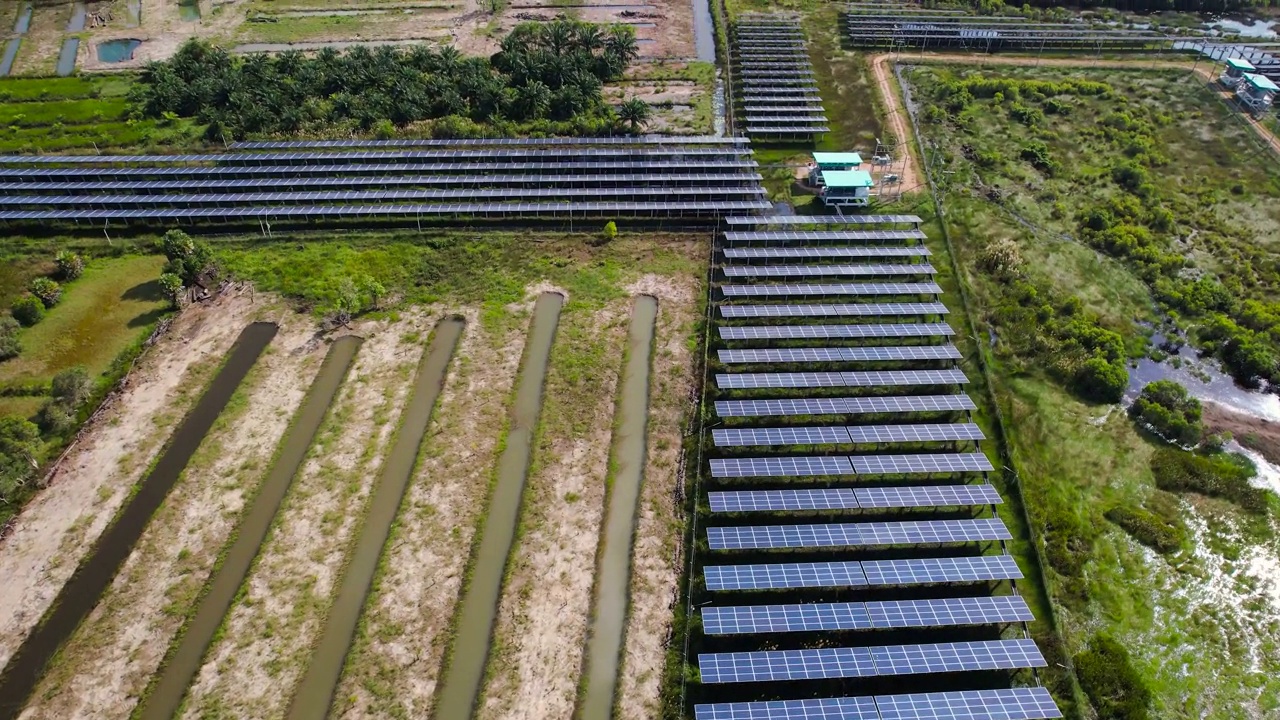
1148,528
1221,475
1166,408
1116,690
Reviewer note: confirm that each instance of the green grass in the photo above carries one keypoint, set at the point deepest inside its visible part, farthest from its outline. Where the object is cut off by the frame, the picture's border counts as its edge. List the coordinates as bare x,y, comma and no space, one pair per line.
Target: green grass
80,87
67,112
296,29
100,315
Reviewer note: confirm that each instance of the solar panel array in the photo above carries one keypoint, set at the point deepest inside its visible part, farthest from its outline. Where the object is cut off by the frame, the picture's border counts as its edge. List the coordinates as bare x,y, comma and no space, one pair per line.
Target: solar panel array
303,181
783,451
780,98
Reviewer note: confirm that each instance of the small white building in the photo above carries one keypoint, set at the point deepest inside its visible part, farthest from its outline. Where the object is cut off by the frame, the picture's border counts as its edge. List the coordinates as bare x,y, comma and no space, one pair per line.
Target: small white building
1257,92
824,162
846,188
1235,72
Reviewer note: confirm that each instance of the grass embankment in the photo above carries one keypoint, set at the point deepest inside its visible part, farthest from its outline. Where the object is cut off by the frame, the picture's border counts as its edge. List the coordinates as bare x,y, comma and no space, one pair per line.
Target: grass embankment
1199,627
79,113
38,54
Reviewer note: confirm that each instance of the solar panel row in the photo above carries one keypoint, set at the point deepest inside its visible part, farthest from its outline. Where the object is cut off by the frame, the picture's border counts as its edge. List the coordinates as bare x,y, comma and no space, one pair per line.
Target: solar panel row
793,253
799,270
783,236
477,168
833,310
867,378
877,498
966,569
823,220
852,330
838,434
885,615
924,288
500,142
1026,703
366,155
798,407
511,194
640,179
873,353
835,535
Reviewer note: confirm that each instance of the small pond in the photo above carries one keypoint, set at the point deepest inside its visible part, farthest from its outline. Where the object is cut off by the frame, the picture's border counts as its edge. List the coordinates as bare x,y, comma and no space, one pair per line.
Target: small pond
1203,379
1245,27
189,10
114,51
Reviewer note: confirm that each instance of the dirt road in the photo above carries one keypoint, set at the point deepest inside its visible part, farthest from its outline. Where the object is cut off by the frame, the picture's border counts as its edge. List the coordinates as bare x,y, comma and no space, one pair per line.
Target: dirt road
900,124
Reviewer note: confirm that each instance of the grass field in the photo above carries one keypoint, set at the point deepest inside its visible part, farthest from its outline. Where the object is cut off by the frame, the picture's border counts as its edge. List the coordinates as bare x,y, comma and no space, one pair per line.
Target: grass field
100,315
1200,622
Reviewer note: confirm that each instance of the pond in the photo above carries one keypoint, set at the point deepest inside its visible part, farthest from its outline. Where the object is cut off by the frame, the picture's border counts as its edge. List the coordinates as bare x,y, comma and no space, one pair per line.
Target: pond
1203,379
1245,27
114,51
189,10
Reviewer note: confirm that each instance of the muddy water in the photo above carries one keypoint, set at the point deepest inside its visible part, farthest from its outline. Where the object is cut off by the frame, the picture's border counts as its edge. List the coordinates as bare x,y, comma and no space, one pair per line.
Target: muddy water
479,604
315,693
81,593
704,33
67,57
604,647
183,663
23,22
10,52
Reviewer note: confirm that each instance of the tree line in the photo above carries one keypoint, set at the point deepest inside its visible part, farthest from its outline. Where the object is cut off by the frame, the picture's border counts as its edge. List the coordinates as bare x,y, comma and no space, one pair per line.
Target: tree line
546,77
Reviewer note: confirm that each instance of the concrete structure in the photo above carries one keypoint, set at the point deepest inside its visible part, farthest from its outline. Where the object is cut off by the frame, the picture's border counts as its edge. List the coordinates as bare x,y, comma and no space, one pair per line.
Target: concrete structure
1257,92
846,188
1236,69
832,162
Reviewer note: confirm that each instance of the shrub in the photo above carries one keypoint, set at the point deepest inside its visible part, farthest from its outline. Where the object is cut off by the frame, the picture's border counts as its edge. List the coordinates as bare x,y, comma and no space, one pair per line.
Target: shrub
27,310
1101,380
48,291
1108,677
70,265
9,345
53,418
171,284
188,258
20,454
1165,406
71,387
1215,475
1147,528
1001,258
610,231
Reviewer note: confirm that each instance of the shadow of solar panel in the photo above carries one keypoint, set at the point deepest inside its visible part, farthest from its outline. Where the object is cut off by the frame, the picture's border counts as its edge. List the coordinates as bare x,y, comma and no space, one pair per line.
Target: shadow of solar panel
826,270
799,466
956,657
782,576
920,464
834,310
1032,703
844,406
855,330
846,708
833,290
934,571
913,532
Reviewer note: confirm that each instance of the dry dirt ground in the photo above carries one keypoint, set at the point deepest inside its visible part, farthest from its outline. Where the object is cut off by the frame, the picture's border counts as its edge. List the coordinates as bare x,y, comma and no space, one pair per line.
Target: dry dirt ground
395,660
267,637
60,524
109,660
1253,432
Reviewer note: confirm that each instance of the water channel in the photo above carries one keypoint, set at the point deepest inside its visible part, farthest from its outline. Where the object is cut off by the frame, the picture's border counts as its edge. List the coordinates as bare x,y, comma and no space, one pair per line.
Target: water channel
604,646
704,33
182,663
80,594
67,57
469,650
114,51
24,19
315,693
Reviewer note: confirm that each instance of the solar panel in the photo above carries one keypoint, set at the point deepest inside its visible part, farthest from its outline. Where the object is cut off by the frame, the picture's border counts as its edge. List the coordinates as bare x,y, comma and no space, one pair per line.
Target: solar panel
926,496
867,378
757,253
731,437
871,353
884,615
924,288
844,708
826,270
845,662
922,432
862,330
923,463
479,168
798,466
934,571
844,406
802,499
821,219
886,573
737,437
781,236
835,310
1027,703
381,155
500,142
909,532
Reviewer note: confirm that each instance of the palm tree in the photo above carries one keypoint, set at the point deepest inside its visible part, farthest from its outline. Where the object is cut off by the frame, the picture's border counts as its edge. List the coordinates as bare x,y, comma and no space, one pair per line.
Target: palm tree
634,112
621,41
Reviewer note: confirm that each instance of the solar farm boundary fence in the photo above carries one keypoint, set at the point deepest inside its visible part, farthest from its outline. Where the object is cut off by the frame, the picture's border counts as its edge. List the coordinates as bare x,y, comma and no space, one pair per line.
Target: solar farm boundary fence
968,326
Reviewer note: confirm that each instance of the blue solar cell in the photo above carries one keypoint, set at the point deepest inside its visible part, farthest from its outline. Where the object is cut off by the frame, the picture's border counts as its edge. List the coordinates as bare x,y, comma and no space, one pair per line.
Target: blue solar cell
881,615
846,708
914,532
881,573
1028,703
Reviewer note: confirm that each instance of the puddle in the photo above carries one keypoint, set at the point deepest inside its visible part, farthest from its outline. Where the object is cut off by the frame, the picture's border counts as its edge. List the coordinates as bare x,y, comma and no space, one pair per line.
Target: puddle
469,649
67,57
165,699
613,576
1204,380
189,10
115,51
81,593
314,694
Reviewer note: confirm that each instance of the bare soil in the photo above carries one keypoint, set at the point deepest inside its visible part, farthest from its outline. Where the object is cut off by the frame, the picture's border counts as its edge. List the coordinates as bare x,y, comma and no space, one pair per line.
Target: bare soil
1250,431
57,528
268,635
396,659
541,628
103,669
655,560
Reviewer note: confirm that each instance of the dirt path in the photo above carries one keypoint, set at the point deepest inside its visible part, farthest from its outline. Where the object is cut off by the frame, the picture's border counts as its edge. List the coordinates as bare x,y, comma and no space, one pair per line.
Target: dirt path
655,562
900,123
266,640
541,627
110,658
61,523
395,660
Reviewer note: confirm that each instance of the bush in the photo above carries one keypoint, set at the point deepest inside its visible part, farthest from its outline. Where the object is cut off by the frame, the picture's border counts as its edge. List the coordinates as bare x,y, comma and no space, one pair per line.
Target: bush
27,310
172,286
188,258
20,454
1101,380
71,387
54,419
1215,475
610,231
1108,677
9,345
1001,258
48,291
1165,406
70,265
1147,528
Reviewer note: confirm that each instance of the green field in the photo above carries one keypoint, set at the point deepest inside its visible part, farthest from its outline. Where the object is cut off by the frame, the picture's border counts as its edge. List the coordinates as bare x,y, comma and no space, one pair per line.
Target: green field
1199,622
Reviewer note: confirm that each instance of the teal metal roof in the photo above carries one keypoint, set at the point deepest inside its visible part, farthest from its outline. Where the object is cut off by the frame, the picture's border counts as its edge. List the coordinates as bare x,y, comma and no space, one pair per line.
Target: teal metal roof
1239,64
847,178
837,158
1258,81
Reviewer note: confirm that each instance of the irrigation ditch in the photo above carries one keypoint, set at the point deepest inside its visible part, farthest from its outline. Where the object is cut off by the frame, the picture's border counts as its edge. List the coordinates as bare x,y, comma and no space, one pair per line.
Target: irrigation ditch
468,652
609,614
163,699
82,592
314,694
